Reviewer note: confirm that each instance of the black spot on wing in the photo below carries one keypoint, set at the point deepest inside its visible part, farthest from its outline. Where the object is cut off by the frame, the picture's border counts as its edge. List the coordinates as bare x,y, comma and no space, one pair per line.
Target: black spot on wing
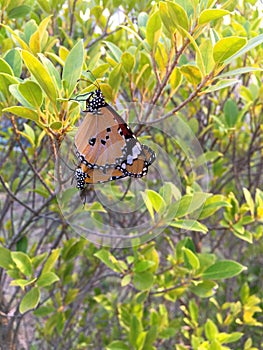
92,141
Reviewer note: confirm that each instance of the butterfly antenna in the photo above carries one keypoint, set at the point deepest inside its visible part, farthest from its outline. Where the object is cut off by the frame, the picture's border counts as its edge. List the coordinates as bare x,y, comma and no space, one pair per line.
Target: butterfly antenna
94,78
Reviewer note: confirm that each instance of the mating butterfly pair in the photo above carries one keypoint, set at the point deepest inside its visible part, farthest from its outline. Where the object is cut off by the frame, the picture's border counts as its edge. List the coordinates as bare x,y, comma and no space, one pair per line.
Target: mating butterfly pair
106,147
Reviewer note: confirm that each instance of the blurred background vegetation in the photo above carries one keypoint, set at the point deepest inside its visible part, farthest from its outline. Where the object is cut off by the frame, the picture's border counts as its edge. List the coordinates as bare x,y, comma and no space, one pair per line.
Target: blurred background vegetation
198,284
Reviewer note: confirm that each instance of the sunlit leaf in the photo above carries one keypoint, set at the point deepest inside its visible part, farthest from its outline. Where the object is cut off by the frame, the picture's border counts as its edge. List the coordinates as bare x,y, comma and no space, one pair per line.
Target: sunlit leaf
30,300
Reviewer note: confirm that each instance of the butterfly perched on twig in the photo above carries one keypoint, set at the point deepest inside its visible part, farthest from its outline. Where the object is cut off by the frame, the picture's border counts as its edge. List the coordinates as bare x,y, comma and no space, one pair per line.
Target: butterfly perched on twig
106,147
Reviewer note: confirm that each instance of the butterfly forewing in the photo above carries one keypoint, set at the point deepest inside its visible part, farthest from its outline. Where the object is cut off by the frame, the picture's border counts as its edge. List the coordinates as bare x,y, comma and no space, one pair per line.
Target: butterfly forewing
100,139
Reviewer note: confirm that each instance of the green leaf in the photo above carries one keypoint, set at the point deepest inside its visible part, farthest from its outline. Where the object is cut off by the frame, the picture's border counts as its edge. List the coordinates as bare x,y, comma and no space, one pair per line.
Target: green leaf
13,58
22,262
213,204
100,71
221,84
117,345
240,232
190,203
252,43
56,125
135,331
156,200
143,265
226,338
108,259
6,261
19,11
17,95
204,289
75,250
223,269
189,225
5,68
51,260
126,280
142,19
38,259
206,50
53,72
227,47
71,296
24,112
22,244
39,37
73,67
177,15
22,282
211,330
32,92
115,77
17,38
193,311
192,258
30,300
44,5
44,311
239,71
209,156
46,279
153,30
231,113
29,134
175,79
5,81
211,14
166,18
128,61
41,75
114,50
143,280
191,73
249,200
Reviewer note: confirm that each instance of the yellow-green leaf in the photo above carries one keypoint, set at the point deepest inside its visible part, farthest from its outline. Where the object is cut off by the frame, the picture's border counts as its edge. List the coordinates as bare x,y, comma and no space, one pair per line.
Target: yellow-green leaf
192,74
46,279
211,14
30,300
41,75
73,66
32,92
22,262
23,112
192,258
178,15
227,47
51,260
153,29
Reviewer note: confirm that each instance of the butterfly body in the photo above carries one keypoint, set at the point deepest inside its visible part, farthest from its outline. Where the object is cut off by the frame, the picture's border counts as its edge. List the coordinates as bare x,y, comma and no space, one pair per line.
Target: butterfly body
106,147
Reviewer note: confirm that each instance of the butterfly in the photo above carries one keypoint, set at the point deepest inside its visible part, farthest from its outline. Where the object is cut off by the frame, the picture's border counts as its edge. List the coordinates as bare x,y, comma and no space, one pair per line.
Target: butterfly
106,147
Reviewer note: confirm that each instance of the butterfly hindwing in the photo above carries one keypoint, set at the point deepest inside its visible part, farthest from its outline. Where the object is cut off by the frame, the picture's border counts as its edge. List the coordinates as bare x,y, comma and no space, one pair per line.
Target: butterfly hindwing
85,175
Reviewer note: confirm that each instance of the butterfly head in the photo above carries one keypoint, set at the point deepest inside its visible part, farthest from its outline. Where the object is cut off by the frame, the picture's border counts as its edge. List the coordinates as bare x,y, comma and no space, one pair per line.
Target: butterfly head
95,102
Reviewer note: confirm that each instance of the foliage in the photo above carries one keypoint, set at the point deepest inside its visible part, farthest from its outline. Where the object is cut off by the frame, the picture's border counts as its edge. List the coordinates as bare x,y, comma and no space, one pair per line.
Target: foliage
196,285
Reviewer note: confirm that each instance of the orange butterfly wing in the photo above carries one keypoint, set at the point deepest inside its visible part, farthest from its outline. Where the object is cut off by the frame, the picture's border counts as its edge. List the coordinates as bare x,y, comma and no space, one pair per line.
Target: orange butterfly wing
106,147
85,175
98,141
